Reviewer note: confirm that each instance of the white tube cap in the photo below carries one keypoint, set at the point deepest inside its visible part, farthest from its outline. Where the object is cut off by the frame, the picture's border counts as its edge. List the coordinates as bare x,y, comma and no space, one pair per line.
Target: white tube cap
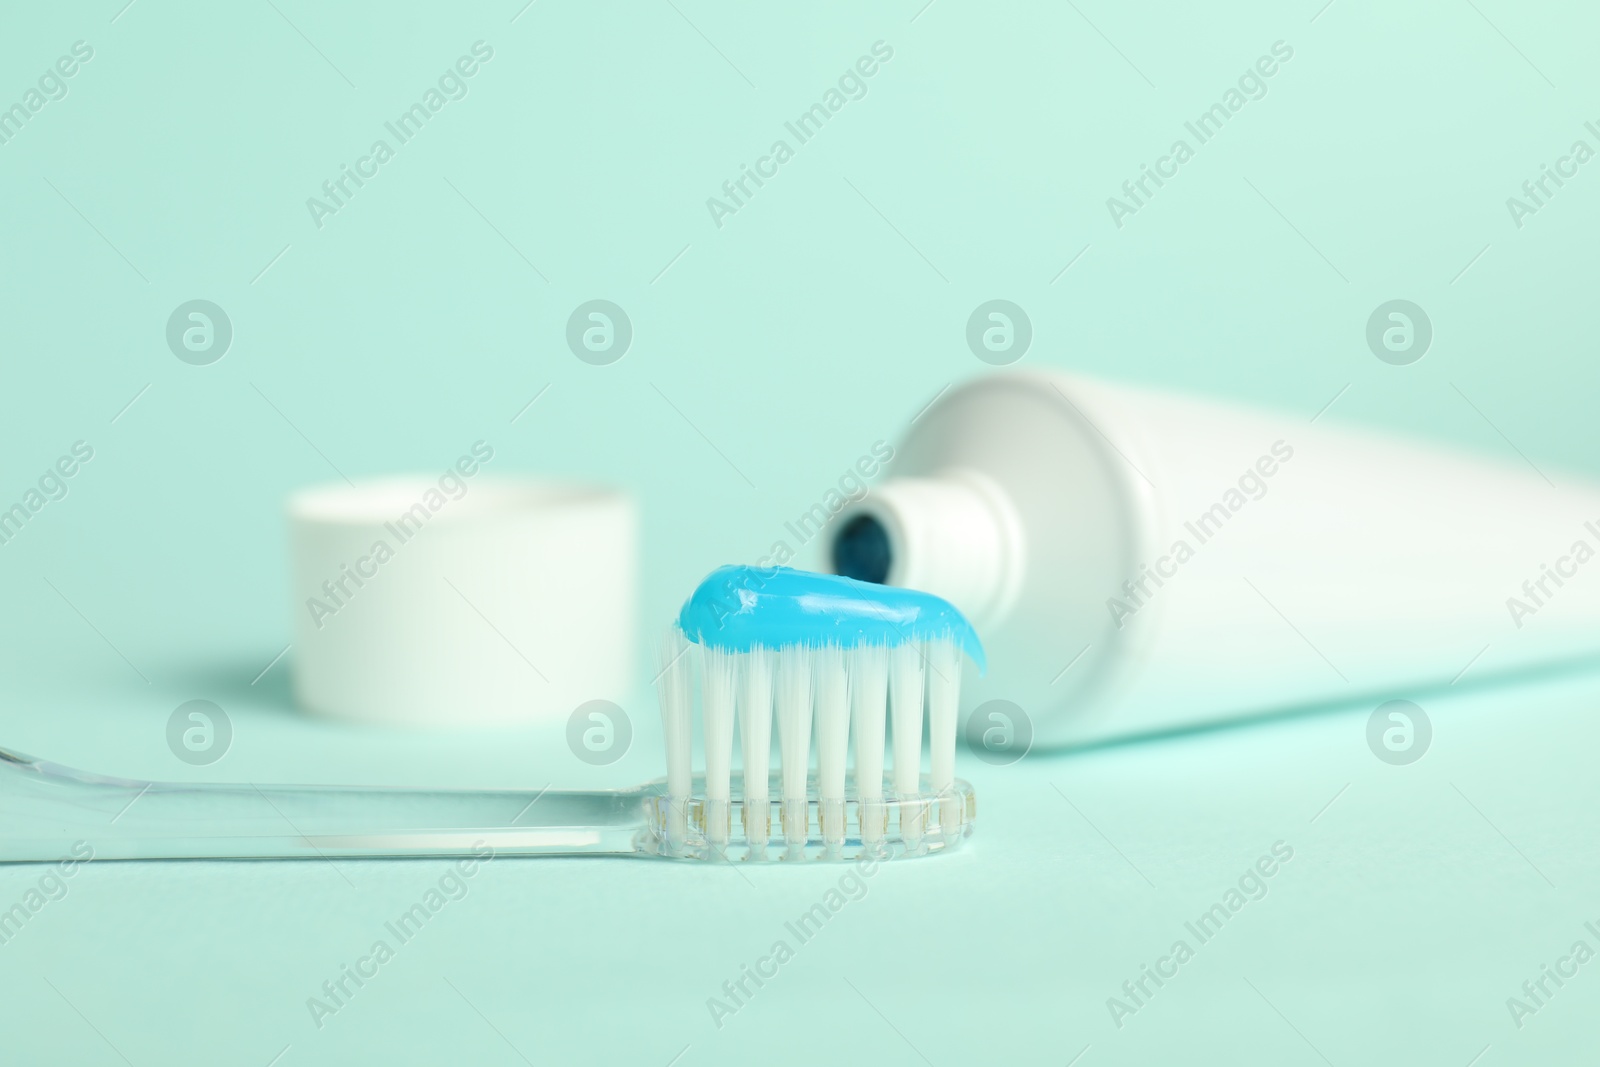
461,600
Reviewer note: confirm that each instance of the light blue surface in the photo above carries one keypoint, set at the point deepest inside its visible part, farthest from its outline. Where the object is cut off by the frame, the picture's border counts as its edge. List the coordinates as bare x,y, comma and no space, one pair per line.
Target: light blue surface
773,359
740,607
1415,904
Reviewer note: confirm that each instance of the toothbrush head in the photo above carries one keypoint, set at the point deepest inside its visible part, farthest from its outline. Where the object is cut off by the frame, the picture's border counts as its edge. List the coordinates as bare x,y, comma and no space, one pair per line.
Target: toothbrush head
829,654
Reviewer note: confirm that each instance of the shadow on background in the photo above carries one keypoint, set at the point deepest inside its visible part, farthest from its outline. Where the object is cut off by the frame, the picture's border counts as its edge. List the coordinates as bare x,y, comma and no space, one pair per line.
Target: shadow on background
1364,703
235,683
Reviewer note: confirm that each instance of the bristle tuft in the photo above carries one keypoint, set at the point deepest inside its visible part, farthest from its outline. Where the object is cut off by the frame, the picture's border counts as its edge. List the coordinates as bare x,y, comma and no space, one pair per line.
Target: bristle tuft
718,680
674,692
833,740
795,677
905,710
944,694
906,685
755,738
869,708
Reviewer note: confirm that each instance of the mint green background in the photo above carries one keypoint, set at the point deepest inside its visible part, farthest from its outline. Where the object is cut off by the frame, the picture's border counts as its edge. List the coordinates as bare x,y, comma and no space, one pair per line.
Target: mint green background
817,320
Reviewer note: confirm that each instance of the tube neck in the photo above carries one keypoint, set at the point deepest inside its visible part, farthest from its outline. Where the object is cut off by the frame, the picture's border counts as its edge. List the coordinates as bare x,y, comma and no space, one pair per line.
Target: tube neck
955,535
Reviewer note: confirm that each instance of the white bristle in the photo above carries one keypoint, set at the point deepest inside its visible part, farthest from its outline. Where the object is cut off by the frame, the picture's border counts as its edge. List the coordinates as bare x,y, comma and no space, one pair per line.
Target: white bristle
905,713
905,710
833,740
755,738
869,707
674,693
944,694
794,706
717,682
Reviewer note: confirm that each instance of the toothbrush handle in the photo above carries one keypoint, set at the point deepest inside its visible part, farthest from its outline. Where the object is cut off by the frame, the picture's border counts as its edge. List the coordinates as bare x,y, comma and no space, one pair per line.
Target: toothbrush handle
49,812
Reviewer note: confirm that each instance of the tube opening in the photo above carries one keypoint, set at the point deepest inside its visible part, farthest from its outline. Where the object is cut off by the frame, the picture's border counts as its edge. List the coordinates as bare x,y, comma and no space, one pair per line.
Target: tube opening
861,550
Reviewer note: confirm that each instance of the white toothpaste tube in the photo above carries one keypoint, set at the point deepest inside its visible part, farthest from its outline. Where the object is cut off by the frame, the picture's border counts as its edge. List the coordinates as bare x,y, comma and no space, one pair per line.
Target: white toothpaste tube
1138,562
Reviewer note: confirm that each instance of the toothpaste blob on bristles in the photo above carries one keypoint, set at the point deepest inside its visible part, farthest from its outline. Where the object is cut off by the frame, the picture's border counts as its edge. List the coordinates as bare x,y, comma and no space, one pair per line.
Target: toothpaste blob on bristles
822,649
739,608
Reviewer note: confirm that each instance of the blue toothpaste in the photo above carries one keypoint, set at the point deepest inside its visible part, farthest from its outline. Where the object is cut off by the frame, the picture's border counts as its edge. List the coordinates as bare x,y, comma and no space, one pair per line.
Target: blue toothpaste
737,608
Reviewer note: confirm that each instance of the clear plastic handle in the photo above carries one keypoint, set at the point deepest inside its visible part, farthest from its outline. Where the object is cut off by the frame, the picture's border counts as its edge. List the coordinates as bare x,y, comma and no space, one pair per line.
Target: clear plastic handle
47,810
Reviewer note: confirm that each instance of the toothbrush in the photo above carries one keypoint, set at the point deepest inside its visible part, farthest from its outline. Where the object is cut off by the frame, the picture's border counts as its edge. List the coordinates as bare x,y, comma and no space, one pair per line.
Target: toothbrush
823,650
839,635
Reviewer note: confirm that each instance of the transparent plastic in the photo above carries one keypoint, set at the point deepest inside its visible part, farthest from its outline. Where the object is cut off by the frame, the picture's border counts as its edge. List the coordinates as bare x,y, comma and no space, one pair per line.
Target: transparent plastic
46,810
